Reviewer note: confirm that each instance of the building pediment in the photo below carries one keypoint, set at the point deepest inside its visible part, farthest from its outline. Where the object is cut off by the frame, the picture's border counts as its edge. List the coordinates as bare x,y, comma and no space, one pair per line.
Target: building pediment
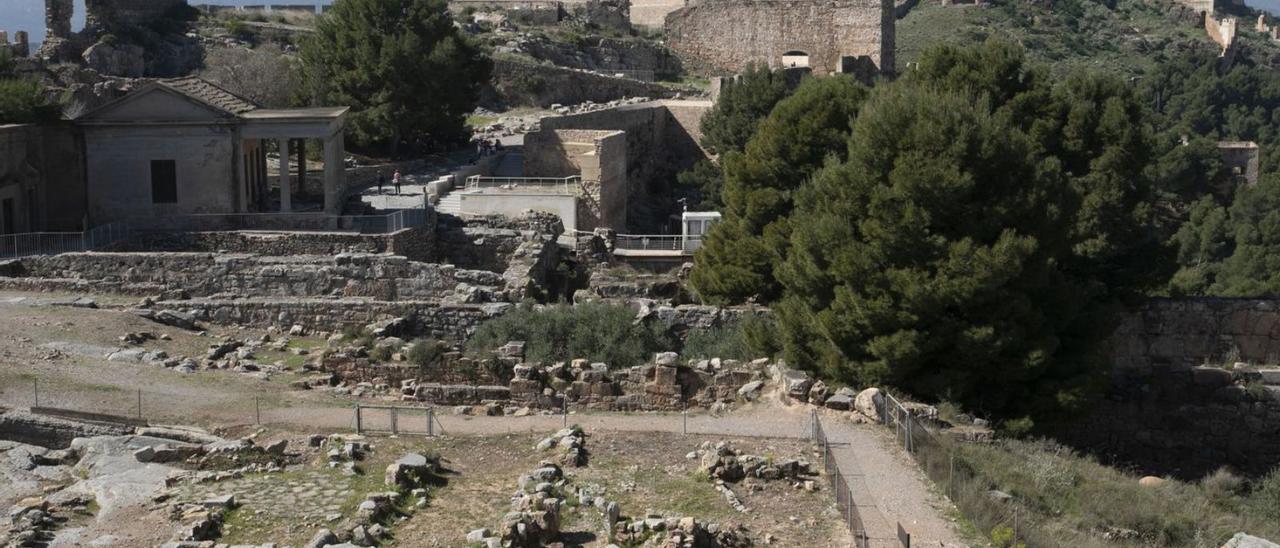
187,100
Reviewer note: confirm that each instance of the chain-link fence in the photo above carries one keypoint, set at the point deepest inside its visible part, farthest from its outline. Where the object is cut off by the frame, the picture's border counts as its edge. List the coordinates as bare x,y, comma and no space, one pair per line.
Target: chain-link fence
839,486
959,478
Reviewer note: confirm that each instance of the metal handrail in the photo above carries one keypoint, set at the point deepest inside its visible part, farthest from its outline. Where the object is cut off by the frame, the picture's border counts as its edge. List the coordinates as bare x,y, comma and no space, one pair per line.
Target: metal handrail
25,244
476,182
657,242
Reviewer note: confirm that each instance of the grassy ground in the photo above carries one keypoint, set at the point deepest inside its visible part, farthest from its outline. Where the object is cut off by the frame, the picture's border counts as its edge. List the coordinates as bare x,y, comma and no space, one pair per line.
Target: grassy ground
1061,498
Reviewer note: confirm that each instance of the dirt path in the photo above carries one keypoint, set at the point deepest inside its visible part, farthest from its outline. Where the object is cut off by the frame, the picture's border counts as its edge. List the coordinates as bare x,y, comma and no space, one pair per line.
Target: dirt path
888,487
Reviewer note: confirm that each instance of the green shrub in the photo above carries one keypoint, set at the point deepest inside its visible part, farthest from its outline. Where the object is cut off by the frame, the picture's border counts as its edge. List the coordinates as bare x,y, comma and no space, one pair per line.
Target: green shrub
1265,498
594,331
24,102
743,340
1222,484
1062,498
381,353
426,352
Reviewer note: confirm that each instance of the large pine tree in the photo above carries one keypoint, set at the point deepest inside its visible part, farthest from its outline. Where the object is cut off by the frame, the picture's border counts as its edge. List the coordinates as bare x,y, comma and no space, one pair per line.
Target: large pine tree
410,76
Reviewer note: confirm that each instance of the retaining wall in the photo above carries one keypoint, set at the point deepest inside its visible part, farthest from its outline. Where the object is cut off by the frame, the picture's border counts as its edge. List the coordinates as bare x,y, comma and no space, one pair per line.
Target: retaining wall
384,277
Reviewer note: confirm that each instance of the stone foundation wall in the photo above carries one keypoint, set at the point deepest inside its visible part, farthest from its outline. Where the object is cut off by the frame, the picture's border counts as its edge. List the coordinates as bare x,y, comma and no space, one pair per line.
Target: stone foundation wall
1181,333
452,322
1166,413
383,277
416,243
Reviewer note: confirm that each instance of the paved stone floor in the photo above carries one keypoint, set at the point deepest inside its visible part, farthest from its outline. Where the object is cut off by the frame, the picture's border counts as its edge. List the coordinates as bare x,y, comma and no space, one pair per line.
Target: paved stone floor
308,495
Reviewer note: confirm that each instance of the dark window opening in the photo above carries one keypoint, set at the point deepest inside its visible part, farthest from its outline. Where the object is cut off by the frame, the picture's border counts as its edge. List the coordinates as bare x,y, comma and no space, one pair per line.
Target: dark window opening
164,182
6,215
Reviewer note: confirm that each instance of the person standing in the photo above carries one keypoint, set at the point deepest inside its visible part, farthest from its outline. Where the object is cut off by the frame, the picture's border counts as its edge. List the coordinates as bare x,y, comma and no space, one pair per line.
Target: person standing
395,181
382,179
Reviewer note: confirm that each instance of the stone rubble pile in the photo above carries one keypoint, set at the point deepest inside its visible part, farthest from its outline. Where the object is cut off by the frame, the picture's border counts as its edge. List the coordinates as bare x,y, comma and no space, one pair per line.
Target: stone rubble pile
721,461
678,532
571,442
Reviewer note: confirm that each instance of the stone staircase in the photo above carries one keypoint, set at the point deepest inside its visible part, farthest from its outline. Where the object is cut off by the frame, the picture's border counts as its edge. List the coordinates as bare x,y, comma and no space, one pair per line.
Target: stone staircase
451,203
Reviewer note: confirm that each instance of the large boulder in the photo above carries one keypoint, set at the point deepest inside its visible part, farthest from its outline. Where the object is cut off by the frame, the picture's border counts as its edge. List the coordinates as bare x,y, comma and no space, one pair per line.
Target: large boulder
869,402
1243,540
409,471
839,402
797,385
116,59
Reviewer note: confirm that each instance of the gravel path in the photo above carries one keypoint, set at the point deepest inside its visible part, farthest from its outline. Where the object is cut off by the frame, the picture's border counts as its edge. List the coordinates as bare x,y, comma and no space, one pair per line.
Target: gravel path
888,488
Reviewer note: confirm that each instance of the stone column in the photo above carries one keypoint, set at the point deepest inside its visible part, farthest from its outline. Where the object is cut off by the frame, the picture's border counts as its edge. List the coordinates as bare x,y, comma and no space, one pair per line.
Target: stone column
302,164
286,186
334,174
21,44
57,18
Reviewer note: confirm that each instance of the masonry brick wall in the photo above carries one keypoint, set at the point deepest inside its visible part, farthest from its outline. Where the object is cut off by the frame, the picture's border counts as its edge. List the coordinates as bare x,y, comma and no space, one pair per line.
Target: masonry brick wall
729,34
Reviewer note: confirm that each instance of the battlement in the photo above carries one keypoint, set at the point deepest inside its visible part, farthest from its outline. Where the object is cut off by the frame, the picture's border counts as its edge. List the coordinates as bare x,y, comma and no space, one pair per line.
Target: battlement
21,45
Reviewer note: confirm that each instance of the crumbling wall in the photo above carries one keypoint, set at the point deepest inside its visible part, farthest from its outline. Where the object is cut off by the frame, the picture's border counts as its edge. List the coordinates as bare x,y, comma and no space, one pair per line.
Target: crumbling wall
21,45
454,322
837,36
1240,159
1222,32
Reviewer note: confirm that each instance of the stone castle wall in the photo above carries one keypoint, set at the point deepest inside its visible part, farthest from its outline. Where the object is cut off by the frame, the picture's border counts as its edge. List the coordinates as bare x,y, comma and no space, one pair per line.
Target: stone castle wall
837,35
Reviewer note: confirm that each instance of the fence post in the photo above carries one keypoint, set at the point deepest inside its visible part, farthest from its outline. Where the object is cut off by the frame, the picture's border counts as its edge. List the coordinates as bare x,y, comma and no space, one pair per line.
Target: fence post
358,429
431,419
394,430
951,477
35,386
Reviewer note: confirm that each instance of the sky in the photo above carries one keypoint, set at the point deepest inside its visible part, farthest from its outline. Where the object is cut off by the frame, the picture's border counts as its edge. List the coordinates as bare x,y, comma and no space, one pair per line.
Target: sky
28,15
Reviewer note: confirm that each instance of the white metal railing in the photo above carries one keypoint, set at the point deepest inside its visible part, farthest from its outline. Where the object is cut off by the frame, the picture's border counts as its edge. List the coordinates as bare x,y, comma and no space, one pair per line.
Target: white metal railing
26,244
657,242
567,185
